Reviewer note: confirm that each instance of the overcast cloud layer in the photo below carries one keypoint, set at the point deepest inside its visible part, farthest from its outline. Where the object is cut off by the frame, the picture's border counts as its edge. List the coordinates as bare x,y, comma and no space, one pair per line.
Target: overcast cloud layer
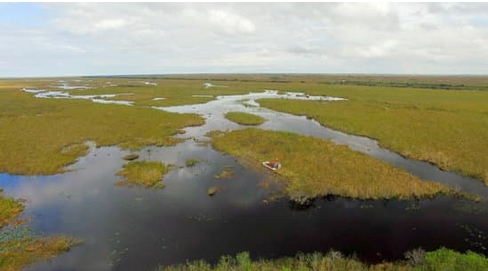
156,38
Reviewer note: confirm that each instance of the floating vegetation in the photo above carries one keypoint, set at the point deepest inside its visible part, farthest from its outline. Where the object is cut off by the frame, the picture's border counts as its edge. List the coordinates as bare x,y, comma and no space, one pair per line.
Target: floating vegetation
18,253
227,174
9,209
191,162
145,173
470,207
366,206
117,253
201,218
212,190
130,157
476,238
413,206
20,246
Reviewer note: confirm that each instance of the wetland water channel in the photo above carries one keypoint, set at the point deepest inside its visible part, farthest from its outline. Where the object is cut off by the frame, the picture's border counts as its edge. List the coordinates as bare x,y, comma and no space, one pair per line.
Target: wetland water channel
140,229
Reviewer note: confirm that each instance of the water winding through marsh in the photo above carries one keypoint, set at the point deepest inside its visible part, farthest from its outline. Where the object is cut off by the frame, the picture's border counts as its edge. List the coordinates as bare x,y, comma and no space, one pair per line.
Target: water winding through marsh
139,229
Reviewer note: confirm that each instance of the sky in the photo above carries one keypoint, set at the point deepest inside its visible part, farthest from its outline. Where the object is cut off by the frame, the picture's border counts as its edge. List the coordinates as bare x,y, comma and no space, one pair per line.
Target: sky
56,39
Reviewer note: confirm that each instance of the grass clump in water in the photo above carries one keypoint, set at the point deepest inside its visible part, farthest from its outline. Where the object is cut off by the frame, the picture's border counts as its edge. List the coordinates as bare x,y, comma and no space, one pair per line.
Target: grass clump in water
212,190
244,118
19,246
191,162
314,167
145,173
227,174
130,157
9,209
441,259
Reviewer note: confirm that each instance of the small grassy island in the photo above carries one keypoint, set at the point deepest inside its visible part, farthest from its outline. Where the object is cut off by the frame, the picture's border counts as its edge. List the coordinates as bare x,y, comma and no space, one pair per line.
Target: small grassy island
314,167
244,118
9,209
191,162
144,173
19,246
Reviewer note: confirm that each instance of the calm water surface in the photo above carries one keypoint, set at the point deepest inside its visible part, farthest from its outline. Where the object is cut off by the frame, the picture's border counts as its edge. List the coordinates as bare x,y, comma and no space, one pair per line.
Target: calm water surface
140,229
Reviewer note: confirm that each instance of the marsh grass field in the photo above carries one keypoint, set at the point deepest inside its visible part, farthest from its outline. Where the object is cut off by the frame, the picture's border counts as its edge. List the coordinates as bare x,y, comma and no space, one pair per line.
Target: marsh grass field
441,120
314,167
447,128
38,135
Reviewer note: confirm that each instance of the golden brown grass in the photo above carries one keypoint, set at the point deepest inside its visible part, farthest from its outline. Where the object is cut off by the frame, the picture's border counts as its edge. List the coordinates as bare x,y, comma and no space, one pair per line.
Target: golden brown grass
315,167
36,132
18,250
226,174
17,254
244,118
145,173
9,209
447,128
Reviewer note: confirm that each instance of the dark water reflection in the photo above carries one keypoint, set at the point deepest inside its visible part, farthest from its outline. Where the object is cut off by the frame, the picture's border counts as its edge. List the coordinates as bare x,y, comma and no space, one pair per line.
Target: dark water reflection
139,229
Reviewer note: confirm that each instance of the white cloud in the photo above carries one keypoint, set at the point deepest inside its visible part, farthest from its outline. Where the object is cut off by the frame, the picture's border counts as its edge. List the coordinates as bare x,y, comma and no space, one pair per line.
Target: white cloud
230,23
379,50
111,38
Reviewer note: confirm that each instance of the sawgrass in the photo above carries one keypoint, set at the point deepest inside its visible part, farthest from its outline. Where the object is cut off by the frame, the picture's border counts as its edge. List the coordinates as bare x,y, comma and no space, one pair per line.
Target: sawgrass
447,128
9,209
174,92
315,167
19,247
244,118
145,173
17,254
441,259
191,162
444,127
36,132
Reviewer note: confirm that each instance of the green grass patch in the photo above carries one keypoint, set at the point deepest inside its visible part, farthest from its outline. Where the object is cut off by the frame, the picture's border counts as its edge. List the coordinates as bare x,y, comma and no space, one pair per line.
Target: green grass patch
42,136
226,174
130,157
19,246
191,162
17,253
244,118
447,128
441,259
315,167
9,209
145,173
